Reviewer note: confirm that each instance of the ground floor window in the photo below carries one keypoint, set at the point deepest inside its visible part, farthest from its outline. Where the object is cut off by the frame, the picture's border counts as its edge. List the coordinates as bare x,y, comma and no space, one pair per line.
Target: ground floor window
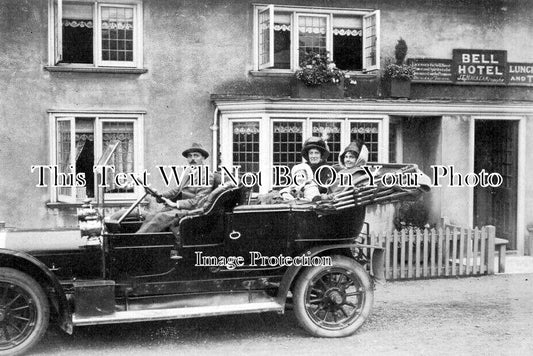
78,141
259,143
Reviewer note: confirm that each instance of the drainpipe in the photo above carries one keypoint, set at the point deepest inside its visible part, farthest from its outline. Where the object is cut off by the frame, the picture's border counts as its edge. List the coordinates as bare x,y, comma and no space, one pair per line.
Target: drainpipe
214,128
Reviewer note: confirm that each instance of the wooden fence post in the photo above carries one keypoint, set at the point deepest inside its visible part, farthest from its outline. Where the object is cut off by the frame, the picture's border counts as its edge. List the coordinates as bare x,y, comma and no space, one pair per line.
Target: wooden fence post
454,252
491,235
476,269
388,247
469,247
433,253
402,255
447,253
483,251
440,251
426,253
410,245
417,255
395,256
462,233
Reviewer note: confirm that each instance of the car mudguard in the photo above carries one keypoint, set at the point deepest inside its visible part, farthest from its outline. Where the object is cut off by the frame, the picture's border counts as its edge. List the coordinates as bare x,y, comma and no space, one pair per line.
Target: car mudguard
39,271
342,249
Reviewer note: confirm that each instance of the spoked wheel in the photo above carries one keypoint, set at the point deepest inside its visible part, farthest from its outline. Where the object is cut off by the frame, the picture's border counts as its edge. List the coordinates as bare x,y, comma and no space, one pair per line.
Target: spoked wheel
24,312
333,301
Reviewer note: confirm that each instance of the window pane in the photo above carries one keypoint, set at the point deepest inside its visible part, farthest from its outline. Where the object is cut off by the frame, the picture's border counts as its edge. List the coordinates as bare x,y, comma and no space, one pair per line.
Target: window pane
287,143
117,31
282,46
122,159
331,133
282,40
312,34
368,132
63,154
348,42
370,33
246,147
348,51
264,36
77,33
85,156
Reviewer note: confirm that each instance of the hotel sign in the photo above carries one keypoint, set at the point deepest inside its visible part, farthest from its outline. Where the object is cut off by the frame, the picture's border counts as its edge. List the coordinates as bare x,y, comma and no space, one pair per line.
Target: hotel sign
470,66
479,66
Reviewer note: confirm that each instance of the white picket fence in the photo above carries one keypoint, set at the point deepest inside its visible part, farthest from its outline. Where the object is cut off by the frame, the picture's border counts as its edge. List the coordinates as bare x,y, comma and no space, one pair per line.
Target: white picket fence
444,252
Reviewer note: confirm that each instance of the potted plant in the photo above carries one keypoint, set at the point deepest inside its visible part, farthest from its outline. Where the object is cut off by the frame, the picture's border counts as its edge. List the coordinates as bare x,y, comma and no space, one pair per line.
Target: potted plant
399,74
318,77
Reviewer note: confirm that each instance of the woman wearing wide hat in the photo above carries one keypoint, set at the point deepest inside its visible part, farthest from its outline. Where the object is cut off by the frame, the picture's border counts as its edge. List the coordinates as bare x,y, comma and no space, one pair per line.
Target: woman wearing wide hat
352,158
315,151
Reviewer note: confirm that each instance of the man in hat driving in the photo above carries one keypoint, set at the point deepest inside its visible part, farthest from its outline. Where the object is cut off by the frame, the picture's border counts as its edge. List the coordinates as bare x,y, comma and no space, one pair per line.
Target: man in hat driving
181,200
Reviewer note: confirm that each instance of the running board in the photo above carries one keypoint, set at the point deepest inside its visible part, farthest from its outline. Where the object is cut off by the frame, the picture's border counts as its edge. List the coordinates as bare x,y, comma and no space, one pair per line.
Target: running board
177,313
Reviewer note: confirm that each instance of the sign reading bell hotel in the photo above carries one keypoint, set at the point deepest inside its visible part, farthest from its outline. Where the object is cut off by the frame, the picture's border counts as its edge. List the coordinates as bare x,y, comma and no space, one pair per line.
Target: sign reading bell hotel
479,66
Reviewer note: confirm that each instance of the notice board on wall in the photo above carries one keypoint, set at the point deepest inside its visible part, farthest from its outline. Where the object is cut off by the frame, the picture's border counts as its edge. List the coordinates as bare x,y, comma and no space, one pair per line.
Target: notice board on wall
431,69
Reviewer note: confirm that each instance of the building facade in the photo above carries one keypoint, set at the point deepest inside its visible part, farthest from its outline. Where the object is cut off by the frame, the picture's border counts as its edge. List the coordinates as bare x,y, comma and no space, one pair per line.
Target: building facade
158,75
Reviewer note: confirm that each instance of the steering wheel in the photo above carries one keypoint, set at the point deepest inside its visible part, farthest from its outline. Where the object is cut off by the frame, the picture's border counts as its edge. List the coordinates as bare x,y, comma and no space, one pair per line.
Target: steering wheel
148,191
152,192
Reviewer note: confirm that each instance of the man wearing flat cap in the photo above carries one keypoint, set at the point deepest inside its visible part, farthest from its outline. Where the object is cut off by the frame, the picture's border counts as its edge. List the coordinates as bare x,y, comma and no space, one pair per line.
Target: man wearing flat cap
181,200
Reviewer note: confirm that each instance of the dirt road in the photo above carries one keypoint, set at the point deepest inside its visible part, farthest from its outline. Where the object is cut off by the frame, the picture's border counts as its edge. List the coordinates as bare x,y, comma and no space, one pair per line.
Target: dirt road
473,316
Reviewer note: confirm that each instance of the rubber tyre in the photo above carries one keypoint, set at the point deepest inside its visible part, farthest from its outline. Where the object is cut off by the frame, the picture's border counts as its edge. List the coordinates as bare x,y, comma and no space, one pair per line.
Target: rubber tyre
307,285
32,304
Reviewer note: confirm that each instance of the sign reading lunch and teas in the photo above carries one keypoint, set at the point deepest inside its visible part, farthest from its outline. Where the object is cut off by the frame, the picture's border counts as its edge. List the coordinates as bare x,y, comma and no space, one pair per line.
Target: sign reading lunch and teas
479,66
521,73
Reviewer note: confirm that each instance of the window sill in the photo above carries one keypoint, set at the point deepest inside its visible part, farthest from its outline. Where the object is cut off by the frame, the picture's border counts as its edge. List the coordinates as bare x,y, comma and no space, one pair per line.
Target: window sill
268,73
107,204
96,70
272,73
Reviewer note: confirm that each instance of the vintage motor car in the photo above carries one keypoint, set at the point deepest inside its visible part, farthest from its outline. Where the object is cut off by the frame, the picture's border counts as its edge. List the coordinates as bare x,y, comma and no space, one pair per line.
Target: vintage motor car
235,258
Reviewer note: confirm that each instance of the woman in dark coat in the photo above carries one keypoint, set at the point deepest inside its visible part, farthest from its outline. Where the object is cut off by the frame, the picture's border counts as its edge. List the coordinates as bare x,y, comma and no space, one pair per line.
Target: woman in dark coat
316,151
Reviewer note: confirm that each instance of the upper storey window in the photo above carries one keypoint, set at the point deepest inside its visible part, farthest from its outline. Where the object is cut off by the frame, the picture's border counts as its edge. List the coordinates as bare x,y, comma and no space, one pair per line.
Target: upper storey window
283,34
94,33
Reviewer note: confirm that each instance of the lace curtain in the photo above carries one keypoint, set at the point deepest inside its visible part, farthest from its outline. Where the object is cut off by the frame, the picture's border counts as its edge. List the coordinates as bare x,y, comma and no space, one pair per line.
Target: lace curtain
122,159
120,25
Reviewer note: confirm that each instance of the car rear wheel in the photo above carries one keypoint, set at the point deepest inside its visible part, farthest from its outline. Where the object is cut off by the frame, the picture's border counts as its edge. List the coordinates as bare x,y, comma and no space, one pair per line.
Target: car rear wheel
333,301
24,312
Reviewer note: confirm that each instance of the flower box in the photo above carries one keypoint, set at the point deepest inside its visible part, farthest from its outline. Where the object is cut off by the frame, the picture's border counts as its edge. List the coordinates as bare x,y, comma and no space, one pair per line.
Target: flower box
400,88
323,91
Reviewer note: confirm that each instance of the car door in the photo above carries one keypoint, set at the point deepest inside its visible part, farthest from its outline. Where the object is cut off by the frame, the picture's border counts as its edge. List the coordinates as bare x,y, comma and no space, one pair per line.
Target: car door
133,255
258,233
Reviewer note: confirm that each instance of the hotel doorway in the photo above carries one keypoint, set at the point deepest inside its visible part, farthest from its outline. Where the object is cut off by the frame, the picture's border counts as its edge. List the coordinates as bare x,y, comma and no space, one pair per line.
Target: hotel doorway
496,150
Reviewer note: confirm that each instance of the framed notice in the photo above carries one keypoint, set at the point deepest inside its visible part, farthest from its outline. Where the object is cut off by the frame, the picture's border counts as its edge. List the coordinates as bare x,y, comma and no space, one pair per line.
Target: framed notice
472,66
431,70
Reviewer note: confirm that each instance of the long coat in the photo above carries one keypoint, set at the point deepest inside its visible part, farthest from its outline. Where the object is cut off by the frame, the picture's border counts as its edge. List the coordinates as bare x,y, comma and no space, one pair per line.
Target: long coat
191,198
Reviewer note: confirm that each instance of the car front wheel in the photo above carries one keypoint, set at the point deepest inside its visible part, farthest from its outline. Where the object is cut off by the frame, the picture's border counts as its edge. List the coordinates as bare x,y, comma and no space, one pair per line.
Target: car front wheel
333,301
24,312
